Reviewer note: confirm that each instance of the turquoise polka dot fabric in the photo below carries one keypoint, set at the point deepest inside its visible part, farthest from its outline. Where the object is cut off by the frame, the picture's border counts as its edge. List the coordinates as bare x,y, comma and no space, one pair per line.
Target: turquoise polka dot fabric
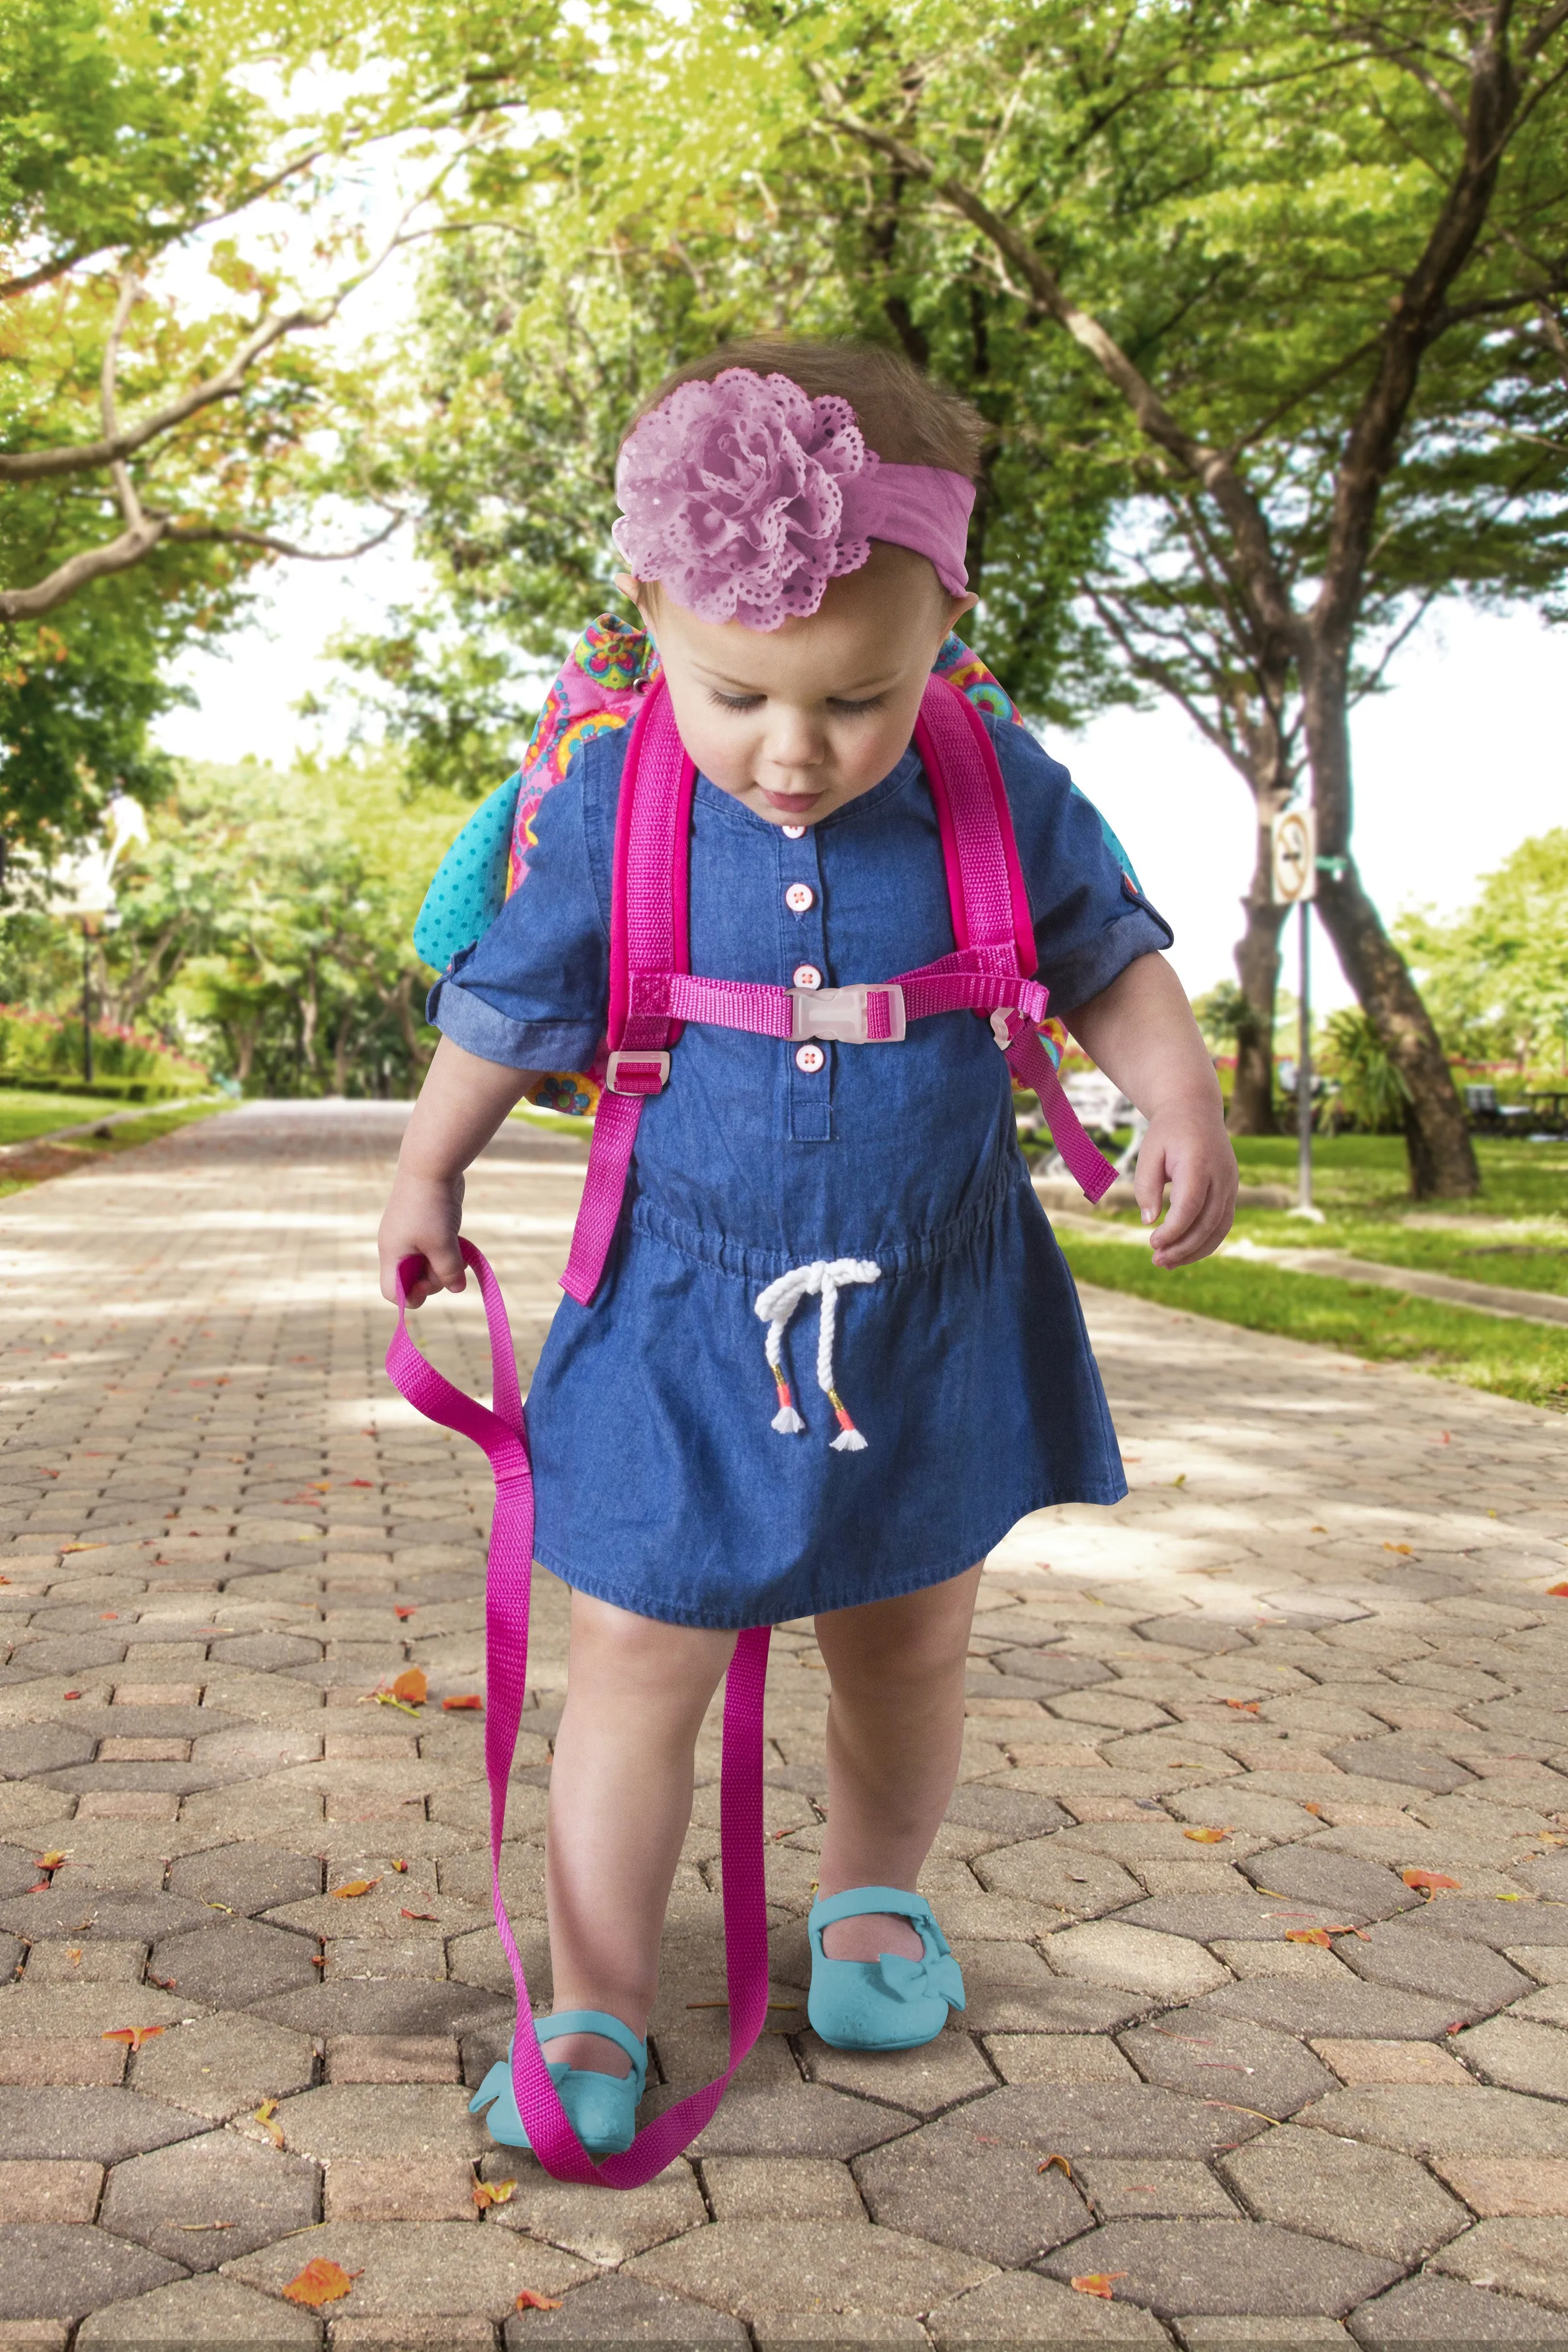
469,889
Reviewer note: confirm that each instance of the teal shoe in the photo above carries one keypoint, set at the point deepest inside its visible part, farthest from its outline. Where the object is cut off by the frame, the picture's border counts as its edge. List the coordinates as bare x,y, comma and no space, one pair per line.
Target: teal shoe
888,2003
600,2108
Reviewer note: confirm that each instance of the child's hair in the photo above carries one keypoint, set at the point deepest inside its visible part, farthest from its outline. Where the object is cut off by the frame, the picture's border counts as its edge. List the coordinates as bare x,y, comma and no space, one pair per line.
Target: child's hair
905,418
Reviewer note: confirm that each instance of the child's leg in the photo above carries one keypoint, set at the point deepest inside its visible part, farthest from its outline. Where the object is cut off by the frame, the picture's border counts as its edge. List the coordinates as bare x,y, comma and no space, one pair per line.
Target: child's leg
619,1800
896,1732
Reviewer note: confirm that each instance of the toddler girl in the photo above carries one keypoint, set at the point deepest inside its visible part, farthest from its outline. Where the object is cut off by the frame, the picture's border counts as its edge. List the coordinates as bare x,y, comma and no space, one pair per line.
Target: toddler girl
794,535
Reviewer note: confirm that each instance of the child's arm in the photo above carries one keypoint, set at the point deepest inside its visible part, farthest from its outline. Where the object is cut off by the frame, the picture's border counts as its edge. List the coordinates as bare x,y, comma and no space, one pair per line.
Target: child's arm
461,1103
1141,1032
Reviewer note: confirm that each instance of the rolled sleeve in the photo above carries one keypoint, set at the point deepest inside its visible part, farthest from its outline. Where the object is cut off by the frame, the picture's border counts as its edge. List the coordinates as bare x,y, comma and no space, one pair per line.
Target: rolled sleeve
1090,916
533,994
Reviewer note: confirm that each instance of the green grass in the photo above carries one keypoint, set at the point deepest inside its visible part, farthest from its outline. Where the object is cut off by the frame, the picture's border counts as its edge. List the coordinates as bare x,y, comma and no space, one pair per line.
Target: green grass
1524,1360
1514,1233
24,1114
124,1136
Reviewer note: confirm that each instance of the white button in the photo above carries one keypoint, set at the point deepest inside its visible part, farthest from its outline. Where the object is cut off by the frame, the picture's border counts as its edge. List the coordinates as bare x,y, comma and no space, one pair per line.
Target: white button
809,1058
799,896
807,976
793,832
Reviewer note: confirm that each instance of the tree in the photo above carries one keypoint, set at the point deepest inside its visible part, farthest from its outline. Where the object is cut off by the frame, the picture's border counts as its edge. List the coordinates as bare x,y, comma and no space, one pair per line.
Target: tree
174,246
1497,976
1283,280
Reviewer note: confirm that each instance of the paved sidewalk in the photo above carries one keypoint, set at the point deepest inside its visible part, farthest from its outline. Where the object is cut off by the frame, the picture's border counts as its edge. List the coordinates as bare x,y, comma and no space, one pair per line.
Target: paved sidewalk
1217,1734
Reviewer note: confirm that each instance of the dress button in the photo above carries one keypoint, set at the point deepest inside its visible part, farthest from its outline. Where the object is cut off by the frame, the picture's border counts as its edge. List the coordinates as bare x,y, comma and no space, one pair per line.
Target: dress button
793,832
806,975
800,898
809,1058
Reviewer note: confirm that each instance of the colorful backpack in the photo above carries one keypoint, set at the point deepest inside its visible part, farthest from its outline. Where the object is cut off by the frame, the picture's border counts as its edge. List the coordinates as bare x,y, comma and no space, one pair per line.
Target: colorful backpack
602,684
653,993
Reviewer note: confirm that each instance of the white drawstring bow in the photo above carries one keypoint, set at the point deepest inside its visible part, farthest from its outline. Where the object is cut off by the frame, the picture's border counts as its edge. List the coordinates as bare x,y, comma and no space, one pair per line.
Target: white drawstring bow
824,1279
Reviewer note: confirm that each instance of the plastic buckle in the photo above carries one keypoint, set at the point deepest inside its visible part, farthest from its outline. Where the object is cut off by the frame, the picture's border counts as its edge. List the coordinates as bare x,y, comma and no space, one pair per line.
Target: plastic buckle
846,1013
636,1071
1002,1028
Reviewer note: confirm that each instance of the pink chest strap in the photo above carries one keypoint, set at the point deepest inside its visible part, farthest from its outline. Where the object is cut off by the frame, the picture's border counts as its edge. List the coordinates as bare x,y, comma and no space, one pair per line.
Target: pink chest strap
654,992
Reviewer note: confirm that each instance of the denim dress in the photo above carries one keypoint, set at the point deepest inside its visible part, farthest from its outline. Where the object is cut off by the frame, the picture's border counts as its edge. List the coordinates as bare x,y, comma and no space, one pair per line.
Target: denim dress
662,1484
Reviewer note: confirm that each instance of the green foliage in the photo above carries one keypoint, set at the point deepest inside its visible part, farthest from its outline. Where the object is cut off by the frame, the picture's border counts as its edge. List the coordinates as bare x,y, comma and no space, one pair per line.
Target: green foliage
1371,1087
1221,1013
1497,976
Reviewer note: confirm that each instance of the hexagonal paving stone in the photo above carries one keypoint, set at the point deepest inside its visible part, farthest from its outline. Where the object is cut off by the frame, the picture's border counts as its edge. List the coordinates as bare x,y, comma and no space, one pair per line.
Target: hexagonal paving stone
1444,2313
266,1653
51,2270
396,2005
1399,1760
42,1747
201,2311
246,1878
1105,2119
808,2266
1426,2122
236,1963
1042,1870
1009,1816
174,2201
953,2184
1135,1959
1342,1884
808,2120
1127,2188
1341,2009
926,2080
1519,2055
1420,1959
71,1914
1365,2197
1021,2309
95,2126
600,2226
1218,2057
1226,2266
375,2119
1520,2253
623,2311
218,2066
412,2270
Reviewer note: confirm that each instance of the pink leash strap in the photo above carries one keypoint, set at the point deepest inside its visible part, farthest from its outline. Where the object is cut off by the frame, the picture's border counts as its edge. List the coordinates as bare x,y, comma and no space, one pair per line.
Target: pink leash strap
1033,1068
502,1433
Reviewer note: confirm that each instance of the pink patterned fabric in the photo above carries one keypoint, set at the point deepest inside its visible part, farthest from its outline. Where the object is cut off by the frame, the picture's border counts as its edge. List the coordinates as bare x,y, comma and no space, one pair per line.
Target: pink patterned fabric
744,497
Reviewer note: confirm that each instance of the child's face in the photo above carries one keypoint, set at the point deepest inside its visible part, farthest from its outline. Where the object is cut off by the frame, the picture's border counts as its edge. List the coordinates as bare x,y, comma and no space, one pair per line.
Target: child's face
799,719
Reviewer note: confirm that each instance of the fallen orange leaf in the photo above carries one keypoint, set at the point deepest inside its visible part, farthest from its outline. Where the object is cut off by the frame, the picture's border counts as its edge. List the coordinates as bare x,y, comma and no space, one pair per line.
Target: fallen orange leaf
52,1861
263,2116
1308,1935
1409,1549
133,2036
529,2300
471,1699
1055,2159
416,1914
1244,1705
319,2282
1206,1837
357,1887
1558,1590
494,2193
1313,1808
411,1686
404,1613
400,1867
1430,1880
1096,2283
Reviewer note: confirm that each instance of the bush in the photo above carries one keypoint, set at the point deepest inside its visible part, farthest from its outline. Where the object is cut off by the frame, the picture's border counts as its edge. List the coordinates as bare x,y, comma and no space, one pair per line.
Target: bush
43,1046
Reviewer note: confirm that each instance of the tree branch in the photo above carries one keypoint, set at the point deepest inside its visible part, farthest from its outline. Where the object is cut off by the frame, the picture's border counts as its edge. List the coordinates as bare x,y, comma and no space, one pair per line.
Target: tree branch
79,571
236,535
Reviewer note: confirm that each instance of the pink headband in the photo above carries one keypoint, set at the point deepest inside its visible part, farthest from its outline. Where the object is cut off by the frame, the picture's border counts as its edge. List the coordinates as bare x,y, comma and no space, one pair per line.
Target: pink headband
743,498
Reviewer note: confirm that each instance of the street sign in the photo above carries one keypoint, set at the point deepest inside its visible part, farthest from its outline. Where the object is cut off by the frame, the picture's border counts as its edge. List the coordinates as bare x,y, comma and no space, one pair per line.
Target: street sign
1294,863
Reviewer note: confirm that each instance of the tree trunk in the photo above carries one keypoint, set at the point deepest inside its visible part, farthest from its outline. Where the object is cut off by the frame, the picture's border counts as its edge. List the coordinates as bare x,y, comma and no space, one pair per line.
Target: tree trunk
1437,1141
1251,1108
419,1054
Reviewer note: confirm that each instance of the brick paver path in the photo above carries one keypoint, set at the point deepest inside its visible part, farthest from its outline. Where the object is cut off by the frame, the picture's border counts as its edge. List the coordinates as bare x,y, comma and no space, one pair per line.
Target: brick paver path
1212,1733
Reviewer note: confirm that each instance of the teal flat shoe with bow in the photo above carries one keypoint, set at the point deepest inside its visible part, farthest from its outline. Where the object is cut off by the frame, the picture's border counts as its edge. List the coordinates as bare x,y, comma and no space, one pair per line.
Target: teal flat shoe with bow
888,2003
600,2108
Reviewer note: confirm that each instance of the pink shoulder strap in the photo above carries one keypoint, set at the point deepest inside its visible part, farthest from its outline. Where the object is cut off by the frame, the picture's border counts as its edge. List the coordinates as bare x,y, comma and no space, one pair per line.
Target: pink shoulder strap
985,881
503,1434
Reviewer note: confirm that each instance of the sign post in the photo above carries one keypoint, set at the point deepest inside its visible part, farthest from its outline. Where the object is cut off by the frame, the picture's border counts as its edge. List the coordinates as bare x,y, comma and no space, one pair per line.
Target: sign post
1295,882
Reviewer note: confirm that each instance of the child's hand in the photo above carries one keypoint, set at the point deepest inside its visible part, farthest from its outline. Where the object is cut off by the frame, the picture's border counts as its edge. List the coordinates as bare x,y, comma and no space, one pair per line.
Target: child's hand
422,1220
1187,1148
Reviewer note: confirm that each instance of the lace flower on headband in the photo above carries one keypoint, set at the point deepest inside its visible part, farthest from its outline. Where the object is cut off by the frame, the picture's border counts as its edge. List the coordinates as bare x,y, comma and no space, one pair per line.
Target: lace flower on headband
732,496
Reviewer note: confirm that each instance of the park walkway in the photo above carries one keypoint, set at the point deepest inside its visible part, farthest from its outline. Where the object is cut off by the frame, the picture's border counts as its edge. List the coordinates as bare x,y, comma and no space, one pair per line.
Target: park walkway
1258,1868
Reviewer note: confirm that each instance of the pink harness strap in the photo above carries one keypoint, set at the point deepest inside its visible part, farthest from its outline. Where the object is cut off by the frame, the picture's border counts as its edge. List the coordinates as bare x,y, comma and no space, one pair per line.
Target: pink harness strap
503,1434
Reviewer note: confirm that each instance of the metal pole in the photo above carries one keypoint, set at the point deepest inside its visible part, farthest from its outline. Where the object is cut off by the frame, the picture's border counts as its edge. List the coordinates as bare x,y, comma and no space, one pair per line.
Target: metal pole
86,1003
1304,1067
